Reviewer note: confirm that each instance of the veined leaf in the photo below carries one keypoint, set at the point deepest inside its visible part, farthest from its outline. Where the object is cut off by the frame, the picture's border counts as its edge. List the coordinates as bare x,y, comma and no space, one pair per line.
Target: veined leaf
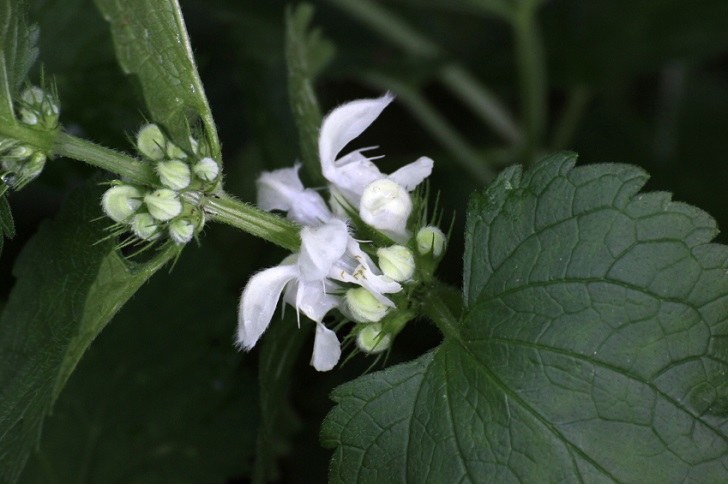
306,54
68,288
18,52
152,43
594,347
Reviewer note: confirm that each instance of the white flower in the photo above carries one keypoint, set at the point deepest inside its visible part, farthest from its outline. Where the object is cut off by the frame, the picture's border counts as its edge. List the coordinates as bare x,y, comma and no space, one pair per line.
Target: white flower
328,254
282,190
350,174
386,206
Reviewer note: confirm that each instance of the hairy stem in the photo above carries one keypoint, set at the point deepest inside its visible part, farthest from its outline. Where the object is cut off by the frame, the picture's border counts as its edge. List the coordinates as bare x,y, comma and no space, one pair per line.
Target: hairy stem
438,306
228,210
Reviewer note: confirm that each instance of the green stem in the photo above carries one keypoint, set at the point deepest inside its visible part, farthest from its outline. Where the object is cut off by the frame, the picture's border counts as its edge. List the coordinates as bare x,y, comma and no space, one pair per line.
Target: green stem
576,104
113,161
228,210
436,308
42,140
532,74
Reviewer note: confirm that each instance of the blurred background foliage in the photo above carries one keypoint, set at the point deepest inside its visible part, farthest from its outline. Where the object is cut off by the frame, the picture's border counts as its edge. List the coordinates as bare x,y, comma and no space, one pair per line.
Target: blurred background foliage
162,395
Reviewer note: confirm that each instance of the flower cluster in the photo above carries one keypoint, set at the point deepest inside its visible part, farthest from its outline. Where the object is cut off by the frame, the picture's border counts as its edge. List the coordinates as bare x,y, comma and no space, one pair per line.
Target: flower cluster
333,270
169,208
22,163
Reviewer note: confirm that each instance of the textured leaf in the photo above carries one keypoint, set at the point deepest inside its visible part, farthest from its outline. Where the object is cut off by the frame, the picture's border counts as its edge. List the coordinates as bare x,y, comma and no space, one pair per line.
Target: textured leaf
152,44
67,289
161,396
306,54
594,346
18,52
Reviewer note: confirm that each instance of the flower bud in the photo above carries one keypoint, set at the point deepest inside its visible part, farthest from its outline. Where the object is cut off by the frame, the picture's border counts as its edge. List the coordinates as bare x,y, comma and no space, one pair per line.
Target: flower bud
144,226
151,142
121,201
37,106
372,340
430,240
363,306
397,262
206,169
386,205
34,166
181,230
174,174
175,152
163,204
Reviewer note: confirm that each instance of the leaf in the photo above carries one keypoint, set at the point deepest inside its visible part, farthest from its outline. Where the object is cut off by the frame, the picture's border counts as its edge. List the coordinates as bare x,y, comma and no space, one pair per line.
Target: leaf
68,287
306,55
280,351
594,347
7,226
161,396
152,43
18,52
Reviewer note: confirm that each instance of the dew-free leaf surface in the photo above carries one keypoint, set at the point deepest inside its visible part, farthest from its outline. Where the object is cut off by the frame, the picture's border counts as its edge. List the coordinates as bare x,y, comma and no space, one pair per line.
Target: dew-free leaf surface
594,347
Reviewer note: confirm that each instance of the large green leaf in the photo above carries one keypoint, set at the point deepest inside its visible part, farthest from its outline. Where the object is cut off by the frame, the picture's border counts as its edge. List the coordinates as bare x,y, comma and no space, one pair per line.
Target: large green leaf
161,396
594,346
152,44
68,287
17,53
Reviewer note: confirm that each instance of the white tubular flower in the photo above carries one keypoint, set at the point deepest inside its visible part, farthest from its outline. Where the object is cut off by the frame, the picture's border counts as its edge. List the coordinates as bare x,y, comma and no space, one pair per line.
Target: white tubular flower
282,190
328,254
352,173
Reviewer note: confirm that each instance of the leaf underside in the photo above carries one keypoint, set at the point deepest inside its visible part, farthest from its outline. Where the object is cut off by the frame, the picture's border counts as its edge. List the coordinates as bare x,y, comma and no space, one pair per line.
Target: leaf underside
67,289
595,346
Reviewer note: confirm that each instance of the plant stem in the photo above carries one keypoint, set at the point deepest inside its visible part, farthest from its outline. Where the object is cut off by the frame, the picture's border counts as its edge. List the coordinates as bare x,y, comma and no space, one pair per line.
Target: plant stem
439,312
228,210
40,139
532,74
105,158
576,104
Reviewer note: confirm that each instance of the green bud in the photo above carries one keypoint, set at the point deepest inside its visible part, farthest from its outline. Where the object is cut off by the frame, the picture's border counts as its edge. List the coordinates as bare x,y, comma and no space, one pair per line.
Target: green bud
175,152
144,226
120,202
181,230
363,306
33,167
163,204
206,169
431,240
38,106
397,262
372,340
174,174
151,142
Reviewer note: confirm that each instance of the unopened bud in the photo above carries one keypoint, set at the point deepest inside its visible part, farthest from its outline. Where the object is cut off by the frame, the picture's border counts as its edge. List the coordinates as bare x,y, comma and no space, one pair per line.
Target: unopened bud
121,201
145,227
21,153
206,169
431,240
386,205
174,174
363,306
175,152
34,166
163,204
36,104
181,230
371,339
151,142
397,262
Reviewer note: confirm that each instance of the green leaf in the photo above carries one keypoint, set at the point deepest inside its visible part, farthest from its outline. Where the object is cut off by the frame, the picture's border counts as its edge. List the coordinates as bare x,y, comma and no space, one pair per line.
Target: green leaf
152,44
18,52
594,346
68,287
307,52
7,226
161,396
280,350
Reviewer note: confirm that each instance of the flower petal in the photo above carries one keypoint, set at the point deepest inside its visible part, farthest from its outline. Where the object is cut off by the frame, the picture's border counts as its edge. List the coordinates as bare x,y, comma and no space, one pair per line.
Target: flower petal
326,349
409,176
259,300
312,298
342,125
321,247
282,190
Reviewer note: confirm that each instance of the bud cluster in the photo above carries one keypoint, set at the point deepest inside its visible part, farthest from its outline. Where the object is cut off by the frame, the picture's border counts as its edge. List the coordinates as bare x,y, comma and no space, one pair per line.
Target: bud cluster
169,208
22,163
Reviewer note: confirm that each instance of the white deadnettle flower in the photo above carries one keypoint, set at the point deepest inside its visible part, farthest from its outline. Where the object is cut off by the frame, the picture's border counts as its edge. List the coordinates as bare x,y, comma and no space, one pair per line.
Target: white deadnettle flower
386,206
350,174
283,190
328,254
